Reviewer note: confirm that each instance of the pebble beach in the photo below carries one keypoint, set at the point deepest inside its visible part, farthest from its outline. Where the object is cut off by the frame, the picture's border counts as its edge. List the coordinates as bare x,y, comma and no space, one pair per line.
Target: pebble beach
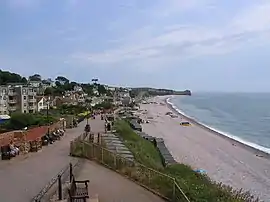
224,160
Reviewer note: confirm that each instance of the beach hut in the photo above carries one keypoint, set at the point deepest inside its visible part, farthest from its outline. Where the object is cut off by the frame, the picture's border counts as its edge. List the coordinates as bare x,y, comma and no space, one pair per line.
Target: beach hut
4,118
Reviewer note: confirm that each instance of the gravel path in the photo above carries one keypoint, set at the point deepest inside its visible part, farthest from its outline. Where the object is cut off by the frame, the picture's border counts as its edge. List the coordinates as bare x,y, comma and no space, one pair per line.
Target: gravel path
23,177
112,187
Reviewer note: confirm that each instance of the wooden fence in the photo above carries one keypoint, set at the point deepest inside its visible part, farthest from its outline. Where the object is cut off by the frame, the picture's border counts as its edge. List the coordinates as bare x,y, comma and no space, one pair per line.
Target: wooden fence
155,181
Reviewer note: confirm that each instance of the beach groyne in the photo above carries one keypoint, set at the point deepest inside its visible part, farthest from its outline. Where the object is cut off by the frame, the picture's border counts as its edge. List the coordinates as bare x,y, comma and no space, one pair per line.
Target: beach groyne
166,156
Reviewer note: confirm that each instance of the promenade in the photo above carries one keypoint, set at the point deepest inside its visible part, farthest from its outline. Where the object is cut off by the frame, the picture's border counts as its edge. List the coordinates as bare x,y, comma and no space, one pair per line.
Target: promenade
24,176
113,187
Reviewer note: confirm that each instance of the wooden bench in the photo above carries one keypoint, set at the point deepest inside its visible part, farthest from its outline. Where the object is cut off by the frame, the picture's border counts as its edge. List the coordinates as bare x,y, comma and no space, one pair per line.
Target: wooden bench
6,152
78,193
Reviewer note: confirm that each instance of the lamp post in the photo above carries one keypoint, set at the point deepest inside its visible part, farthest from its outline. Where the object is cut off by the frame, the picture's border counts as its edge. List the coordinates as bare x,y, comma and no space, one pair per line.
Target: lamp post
48,117
87,116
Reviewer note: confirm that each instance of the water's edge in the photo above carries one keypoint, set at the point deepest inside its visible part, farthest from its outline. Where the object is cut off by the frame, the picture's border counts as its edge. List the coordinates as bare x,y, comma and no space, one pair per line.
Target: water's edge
249,145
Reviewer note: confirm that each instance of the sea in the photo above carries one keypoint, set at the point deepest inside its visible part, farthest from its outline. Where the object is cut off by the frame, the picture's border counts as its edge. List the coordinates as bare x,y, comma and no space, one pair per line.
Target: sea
244,117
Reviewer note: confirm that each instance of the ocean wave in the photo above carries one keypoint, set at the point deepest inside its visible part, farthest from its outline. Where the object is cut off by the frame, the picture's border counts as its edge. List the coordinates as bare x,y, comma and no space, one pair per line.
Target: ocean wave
226,134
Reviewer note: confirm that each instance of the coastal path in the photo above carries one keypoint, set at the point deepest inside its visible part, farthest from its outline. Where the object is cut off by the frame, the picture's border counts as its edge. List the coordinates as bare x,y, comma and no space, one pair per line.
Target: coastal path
111,186
24,176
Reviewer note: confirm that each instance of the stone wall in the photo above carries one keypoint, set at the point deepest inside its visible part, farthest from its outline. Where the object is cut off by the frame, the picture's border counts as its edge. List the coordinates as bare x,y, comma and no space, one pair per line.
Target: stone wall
5,138
22,138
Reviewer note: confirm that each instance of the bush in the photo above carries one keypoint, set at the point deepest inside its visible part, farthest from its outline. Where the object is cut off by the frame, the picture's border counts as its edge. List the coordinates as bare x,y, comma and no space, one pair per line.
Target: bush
72,109
104,105
19,121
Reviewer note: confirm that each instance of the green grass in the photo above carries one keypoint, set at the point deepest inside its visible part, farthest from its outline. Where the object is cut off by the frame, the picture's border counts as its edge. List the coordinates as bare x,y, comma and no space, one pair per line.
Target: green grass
143,151
197,187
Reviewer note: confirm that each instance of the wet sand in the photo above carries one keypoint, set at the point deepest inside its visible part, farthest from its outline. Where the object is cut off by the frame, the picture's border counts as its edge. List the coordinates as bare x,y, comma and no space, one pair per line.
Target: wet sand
224,160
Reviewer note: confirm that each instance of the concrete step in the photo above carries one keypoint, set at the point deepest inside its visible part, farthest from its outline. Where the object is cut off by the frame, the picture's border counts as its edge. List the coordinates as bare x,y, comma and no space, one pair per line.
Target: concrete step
128,156
123,152
113,140
110,138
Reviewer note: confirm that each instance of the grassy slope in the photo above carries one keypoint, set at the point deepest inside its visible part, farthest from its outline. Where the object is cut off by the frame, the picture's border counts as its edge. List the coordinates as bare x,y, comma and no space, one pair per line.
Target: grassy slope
197,187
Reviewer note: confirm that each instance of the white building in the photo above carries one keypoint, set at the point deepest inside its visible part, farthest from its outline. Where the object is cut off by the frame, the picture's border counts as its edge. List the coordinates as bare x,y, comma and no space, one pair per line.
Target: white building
17,98
41,103
78,89
35,84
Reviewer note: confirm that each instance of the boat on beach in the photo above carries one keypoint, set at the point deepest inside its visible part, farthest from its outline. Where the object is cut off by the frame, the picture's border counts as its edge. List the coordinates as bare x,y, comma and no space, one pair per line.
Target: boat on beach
185,123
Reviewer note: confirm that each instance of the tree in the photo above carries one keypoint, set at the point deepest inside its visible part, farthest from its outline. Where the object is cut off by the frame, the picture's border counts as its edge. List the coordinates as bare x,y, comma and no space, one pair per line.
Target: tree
104,105
72,85
9,77
24,80
45,81
101,89
35,77
58,84
62,79
49,91
88,88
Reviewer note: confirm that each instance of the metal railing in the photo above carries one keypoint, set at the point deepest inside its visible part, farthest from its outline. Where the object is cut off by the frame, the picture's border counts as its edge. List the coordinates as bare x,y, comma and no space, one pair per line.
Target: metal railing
54,189
159,183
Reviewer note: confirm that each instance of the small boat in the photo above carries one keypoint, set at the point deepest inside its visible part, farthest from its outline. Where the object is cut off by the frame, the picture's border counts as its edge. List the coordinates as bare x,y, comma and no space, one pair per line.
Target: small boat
185,123
200,171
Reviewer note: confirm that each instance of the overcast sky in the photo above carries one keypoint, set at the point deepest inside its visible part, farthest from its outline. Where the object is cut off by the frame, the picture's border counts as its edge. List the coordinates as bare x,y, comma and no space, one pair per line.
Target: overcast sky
202,45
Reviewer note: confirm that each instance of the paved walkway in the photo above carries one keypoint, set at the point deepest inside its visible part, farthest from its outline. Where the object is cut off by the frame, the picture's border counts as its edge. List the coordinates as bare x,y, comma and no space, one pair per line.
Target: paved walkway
24,176
112,187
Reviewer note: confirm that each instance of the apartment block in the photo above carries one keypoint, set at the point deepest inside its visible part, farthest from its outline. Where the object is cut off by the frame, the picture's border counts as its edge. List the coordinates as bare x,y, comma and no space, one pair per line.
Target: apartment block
3,100
17,98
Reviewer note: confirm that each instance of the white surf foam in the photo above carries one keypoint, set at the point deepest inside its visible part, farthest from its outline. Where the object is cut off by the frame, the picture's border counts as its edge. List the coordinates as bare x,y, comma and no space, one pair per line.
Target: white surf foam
233,137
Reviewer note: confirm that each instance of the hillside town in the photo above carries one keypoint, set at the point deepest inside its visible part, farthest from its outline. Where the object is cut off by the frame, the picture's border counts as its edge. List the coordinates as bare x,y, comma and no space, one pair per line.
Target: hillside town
35,94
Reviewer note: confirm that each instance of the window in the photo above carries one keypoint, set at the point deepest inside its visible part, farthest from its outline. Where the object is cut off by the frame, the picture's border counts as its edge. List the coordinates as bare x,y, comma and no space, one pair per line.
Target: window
40,104
25,104
24,111
24,97
5,112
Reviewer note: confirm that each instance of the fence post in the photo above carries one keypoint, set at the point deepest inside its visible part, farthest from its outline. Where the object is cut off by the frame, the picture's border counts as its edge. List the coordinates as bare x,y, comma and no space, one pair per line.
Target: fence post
59,188
149,176
102,154
70,148
98,139
174,198
93,152
114,159
70,172
83,149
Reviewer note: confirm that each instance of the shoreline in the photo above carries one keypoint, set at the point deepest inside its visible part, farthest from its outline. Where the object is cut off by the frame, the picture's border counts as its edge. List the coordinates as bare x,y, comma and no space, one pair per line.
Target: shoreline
255,151
225,160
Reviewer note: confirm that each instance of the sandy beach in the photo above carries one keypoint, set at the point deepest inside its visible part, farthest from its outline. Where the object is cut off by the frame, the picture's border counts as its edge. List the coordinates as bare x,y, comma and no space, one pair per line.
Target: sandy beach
223,159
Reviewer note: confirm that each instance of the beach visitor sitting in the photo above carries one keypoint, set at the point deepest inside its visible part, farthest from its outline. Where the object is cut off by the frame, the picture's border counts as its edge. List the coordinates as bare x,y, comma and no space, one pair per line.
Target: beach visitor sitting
14,150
